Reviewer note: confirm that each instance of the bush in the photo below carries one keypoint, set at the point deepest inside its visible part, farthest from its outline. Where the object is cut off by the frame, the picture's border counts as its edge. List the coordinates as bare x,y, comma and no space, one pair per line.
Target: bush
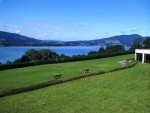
115,48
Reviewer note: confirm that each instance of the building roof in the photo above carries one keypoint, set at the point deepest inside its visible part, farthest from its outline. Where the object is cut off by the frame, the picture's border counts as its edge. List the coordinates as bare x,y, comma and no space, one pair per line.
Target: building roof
145,51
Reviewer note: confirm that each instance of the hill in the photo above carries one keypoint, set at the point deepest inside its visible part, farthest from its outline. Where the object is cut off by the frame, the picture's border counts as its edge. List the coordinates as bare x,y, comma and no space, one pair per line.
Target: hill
125,91
115,40
7,38
13,39
28,76
124,39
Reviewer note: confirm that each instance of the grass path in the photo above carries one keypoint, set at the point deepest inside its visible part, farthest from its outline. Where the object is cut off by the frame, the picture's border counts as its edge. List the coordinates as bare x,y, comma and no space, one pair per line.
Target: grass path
21,77
125,91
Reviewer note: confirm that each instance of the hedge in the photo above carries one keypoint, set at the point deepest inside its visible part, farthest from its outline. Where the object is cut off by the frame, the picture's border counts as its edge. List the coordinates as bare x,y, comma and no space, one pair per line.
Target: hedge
29,88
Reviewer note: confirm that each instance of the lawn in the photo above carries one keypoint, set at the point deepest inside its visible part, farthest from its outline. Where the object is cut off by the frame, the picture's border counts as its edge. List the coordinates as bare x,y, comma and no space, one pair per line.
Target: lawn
21,77
125,91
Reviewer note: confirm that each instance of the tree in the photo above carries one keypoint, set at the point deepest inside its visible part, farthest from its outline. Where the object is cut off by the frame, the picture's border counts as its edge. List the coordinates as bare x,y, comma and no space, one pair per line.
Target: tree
32,54
46,54
62,56
92,53
8,62
115,48
137,44
138,41
17,61
24,58
43,54
147,43
101,50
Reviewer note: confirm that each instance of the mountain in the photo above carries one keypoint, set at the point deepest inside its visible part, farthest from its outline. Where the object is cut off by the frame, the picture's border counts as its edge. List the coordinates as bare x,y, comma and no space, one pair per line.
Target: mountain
7,38
121,40
52,41
124,39
13,39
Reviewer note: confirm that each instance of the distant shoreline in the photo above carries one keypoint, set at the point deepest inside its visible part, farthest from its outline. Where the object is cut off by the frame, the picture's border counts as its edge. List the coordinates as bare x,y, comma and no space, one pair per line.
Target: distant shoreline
13,52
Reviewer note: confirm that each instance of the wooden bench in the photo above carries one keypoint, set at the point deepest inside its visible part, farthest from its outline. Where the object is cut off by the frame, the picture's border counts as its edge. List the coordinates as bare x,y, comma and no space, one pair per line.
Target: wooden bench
86,71
58,76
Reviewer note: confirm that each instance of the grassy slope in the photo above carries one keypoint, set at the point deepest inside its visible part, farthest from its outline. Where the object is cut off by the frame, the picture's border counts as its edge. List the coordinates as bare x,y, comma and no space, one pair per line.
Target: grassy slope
125,91
27,76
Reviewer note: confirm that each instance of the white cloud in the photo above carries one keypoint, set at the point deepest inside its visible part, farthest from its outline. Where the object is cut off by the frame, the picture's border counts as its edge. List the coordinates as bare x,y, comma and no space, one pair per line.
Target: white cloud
123,32
49,30
134,30
17,31
129,31
56,31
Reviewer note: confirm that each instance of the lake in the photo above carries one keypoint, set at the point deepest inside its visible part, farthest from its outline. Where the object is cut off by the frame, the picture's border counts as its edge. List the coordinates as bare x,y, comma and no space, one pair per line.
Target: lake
12,53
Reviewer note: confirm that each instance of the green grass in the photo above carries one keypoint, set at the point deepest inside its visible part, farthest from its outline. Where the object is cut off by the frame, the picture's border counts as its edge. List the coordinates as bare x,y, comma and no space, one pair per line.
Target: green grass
125,91
21,77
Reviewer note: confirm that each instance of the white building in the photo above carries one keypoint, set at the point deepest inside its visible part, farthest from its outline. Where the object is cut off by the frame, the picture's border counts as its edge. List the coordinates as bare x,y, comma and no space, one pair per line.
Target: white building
144,52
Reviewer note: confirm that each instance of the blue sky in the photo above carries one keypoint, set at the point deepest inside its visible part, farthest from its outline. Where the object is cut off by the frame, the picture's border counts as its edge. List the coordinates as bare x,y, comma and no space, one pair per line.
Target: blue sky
75,19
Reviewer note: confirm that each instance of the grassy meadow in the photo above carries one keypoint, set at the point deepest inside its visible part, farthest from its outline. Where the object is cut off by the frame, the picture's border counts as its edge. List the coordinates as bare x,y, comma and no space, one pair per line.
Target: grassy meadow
124,91
21,77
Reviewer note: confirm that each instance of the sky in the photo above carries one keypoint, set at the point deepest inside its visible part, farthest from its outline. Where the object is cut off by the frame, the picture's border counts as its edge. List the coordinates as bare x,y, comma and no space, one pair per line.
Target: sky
70,20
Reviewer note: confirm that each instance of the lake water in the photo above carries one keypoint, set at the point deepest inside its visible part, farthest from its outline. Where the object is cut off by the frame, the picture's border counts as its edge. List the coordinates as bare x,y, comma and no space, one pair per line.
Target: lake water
12,53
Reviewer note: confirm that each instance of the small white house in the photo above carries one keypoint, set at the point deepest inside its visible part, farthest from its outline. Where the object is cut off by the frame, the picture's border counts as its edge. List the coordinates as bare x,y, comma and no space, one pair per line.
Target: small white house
144,52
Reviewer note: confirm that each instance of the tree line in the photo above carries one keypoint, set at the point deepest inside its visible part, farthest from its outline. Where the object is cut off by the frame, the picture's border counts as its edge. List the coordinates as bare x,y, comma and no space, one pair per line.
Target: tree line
139,44
46,56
